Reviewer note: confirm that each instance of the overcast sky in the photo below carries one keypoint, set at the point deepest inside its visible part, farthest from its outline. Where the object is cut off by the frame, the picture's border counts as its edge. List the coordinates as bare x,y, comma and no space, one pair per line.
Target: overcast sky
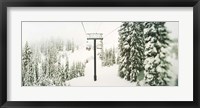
34,32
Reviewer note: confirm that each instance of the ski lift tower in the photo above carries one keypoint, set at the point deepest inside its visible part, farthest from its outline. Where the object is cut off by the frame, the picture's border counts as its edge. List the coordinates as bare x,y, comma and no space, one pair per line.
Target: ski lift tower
94,36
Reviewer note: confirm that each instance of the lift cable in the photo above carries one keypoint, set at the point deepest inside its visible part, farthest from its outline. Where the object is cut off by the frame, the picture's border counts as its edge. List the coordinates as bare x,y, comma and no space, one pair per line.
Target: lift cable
104,36
111,32
83,27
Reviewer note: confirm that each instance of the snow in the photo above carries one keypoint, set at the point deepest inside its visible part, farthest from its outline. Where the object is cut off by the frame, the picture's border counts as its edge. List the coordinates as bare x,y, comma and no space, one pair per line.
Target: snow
79,55
148,45
126,46
106,76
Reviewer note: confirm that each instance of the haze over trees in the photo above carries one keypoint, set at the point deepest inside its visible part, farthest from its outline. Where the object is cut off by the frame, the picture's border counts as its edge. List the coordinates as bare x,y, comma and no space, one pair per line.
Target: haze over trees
48,64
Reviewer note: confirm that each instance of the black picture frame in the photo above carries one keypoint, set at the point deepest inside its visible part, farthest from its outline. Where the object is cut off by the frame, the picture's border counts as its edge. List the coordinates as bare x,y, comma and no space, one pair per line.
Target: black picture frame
99,3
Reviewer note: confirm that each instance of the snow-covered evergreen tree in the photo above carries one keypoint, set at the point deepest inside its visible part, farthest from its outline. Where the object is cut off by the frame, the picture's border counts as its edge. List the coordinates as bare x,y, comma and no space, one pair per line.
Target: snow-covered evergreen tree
59,76
67,69
124,32
27,66
102,52
108,57
36,70
60,45
156,44
52,58
36,61
113,56
70,45
73,72
45,67
131,47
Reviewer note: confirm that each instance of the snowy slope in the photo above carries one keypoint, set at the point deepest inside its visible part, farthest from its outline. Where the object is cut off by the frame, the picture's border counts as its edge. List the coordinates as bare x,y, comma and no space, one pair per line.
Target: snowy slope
106,76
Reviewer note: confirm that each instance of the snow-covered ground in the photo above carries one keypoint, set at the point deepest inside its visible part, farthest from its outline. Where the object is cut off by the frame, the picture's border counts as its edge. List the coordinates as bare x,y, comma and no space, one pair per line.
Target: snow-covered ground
106,76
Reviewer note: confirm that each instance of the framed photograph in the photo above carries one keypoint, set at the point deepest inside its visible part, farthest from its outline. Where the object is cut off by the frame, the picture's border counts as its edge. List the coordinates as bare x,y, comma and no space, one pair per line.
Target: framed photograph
99,53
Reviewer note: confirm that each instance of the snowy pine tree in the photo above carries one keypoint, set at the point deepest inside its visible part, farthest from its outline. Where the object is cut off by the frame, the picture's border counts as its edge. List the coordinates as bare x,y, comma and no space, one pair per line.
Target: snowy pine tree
131,47
59,75
36,61
156,43
45,67
52,58
73,72
102,52
113,56
36,70
67,69
27,66
70,45
124,32
108,58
